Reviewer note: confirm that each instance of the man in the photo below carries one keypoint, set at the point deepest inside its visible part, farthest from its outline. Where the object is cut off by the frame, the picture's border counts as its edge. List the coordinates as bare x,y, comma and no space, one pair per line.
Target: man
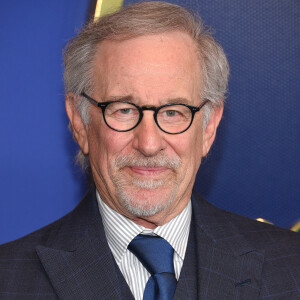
144,94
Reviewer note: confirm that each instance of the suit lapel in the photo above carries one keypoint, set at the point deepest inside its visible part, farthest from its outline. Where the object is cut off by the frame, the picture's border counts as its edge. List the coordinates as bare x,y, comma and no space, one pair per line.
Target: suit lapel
228,267
78,260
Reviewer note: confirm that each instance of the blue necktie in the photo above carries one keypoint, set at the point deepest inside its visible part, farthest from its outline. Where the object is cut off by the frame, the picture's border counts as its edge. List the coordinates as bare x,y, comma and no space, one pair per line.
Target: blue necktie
156,255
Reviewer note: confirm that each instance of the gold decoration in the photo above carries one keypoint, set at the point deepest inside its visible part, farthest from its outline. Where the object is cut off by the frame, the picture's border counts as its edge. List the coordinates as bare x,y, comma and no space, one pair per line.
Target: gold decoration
264,221
296,227
104,7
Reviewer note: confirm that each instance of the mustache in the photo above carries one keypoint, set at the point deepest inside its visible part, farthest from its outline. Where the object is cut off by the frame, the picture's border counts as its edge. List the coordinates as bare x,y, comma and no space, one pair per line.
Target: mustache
139,160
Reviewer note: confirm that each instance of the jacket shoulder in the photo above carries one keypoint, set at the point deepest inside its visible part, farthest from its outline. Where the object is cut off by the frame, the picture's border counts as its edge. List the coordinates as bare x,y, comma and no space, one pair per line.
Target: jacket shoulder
22,275
261,235
45,235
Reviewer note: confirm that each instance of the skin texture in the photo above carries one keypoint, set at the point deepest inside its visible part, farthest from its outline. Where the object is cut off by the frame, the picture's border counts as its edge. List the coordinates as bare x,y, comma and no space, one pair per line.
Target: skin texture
159,168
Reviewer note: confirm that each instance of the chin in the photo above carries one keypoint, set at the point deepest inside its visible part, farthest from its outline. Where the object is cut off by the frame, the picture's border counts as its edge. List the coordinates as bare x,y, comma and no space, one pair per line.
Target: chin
146,198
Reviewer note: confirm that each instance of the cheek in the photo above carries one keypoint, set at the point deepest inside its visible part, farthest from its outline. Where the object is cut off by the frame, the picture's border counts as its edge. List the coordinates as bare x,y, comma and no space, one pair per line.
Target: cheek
189,149
115,142
105,144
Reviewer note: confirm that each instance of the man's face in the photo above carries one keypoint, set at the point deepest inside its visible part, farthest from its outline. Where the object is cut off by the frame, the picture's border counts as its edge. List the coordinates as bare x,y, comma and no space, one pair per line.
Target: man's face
146,174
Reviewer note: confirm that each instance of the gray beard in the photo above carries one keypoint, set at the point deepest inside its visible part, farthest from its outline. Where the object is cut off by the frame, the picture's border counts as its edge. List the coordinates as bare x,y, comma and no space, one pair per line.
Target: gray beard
145,208
128,199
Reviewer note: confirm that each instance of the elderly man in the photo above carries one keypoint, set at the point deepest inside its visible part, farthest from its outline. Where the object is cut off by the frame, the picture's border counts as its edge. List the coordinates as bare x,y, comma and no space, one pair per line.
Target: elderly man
144,94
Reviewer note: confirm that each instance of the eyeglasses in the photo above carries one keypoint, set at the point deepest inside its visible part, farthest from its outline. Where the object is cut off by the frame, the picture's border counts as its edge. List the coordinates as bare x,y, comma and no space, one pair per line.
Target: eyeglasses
124,116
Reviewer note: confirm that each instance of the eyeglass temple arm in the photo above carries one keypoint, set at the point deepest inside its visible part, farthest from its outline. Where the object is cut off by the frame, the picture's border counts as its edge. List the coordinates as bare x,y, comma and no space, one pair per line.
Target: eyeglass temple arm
203,103
89,98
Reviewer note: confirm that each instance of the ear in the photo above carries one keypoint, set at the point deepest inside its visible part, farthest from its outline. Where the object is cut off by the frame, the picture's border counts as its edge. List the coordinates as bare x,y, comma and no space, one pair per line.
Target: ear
79,128
209,132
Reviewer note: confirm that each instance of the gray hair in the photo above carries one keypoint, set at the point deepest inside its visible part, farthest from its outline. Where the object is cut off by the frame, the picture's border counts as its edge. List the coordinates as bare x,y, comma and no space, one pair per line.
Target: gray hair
137,20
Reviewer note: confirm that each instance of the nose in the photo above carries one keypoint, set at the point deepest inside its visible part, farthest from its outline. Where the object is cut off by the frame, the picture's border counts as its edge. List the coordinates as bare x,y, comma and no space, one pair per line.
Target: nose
148,138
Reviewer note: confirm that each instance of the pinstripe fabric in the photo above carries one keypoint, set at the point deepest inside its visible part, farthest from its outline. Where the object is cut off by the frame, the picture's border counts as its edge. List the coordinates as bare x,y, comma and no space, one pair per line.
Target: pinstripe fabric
120,231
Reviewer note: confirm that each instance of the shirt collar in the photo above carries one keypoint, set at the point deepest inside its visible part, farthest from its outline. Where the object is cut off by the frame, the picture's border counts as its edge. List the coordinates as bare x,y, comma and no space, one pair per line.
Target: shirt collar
120,231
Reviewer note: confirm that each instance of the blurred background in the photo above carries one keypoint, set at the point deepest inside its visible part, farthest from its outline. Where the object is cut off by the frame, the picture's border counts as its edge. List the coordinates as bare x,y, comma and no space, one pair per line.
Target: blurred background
254,166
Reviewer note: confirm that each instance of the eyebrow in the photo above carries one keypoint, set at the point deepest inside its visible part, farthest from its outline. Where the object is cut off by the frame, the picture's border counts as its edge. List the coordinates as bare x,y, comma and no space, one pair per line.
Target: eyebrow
178,100
130,98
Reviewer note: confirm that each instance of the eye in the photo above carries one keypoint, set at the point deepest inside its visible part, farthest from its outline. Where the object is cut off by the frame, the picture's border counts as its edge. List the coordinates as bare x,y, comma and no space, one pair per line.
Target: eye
171,113
174,114
126,111
121,112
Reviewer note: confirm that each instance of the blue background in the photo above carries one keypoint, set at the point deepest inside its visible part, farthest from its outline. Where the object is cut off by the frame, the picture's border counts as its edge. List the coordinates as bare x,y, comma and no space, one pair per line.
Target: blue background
253,168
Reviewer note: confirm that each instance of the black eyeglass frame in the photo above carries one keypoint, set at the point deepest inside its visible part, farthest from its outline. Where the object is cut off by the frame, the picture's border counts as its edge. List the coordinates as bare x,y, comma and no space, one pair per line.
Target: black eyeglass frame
103,105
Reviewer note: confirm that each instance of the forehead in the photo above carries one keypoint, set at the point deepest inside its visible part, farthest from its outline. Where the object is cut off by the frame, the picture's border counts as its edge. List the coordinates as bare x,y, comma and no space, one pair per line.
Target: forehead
164,65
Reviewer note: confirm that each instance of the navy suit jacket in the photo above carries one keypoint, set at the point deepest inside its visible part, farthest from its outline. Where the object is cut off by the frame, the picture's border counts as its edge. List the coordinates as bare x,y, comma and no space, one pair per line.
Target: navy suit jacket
227,257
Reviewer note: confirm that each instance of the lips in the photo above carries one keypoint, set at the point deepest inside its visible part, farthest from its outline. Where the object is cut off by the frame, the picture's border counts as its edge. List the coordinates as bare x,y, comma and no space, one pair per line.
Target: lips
147,170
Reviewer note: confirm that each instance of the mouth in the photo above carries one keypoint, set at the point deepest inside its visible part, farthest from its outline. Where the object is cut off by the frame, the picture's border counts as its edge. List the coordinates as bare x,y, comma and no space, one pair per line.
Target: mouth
148,171
136,167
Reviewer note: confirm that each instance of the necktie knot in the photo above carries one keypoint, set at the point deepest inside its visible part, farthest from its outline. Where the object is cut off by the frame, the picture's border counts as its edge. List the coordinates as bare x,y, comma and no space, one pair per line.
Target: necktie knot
156,255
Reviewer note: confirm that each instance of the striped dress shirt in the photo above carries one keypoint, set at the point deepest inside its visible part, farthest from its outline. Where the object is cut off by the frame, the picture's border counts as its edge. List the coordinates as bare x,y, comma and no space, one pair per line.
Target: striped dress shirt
120,231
